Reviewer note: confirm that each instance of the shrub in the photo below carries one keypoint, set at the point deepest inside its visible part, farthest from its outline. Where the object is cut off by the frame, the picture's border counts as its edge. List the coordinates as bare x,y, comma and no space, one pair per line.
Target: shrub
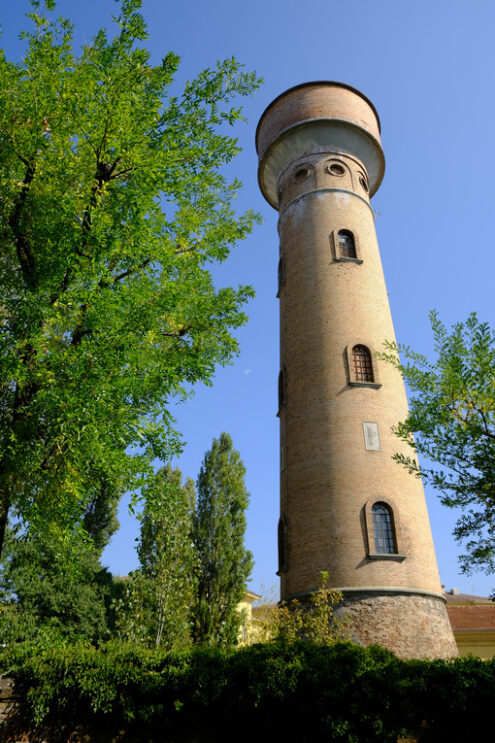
297,691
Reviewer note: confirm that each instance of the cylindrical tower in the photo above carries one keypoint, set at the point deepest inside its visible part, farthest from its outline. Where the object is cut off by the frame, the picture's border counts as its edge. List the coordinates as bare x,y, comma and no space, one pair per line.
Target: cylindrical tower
346,506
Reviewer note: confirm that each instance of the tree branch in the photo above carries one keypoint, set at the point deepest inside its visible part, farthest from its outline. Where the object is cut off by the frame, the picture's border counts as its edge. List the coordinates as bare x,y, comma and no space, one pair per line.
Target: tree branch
79,330
178,333
486,429
192,248
23,248
103,174
130,271
121,172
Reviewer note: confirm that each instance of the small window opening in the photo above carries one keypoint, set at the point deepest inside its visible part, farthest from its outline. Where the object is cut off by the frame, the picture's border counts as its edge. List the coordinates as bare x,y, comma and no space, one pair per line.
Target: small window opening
282,388
362,181
347,247
336,169
301,174
363,367
282,544
383,529
281,276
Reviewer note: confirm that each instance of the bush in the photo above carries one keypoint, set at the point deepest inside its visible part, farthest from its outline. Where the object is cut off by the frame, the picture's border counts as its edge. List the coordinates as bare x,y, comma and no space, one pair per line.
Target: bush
287,691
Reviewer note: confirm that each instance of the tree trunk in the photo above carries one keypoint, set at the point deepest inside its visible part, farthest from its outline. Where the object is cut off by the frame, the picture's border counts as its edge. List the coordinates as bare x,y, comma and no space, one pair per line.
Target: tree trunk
4,512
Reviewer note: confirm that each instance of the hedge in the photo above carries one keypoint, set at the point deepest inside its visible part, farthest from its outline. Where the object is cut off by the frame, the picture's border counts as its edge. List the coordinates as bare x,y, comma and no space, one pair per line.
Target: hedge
285,692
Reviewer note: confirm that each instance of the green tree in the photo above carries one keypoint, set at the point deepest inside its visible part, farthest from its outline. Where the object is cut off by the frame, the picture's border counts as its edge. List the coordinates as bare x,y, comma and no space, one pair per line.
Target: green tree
48,594
156,603
99,518
451,422
54,588
224,564
112,208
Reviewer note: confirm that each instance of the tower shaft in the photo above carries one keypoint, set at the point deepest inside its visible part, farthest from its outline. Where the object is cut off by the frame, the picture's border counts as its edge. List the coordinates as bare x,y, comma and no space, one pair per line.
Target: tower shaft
346,506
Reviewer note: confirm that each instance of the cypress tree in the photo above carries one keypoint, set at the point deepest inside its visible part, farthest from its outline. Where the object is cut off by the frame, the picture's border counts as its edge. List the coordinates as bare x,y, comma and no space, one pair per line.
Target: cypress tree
219,527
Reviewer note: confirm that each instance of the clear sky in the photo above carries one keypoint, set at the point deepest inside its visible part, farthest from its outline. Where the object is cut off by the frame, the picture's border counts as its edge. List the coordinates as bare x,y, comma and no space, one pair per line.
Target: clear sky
429,68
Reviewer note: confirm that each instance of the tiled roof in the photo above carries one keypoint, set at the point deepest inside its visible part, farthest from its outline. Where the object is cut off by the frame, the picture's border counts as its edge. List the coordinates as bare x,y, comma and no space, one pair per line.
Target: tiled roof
466,598
474,617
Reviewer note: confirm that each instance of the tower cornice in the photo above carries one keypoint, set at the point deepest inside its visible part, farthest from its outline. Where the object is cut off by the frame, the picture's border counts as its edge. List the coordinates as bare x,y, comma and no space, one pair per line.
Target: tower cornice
333,83
312,117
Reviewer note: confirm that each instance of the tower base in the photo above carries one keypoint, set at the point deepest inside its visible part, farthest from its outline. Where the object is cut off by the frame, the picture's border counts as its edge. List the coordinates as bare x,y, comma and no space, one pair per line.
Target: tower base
412,625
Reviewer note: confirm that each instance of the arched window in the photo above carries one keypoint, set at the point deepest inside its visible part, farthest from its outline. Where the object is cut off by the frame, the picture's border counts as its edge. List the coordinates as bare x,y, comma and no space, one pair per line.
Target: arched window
383,529
362,364
347,246
282,388
282,544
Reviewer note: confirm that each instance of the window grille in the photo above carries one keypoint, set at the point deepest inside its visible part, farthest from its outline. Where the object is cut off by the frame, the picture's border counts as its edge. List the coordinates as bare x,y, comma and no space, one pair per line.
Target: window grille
347,247
363,367
383,529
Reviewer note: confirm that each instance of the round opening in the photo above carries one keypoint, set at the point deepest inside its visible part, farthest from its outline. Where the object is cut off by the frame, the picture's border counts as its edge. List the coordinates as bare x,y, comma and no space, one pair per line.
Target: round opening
363,183
301,174
336,169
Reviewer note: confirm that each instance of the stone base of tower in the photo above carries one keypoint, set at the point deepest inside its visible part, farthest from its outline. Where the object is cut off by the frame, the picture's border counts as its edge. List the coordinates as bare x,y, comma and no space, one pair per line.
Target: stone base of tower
411,625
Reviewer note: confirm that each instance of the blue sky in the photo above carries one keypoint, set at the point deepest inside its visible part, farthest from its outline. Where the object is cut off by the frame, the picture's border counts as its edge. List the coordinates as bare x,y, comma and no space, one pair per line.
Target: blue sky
429,69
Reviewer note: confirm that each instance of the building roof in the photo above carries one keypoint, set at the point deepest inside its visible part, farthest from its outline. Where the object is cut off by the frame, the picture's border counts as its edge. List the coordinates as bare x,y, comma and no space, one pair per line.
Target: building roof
475,617
455,597
469,613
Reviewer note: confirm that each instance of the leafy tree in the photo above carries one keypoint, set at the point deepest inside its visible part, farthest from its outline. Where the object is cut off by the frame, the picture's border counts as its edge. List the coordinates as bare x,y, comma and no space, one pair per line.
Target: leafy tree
99,519
47,594
452,417
54,589
314,620
224,564
112,207
156,603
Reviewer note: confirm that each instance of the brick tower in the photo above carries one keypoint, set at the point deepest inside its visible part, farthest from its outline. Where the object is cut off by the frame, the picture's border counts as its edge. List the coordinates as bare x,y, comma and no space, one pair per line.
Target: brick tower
346,506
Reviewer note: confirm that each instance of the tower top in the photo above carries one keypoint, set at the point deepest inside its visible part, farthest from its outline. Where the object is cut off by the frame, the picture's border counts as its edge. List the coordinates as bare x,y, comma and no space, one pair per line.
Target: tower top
318,116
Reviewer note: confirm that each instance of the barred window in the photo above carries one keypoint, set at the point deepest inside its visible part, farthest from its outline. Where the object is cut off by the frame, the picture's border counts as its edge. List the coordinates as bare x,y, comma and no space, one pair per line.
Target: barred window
383,529
347,247
363,367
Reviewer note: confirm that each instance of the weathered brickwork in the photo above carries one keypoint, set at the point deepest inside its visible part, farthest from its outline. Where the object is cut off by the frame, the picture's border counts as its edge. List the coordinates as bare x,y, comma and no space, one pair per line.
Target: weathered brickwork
320,160
412,626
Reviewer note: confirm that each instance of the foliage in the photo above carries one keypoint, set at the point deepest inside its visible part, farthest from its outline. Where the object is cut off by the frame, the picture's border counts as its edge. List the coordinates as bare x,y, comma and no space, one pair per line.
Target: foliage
112,208
292,691
452,417
223,563
156,601
48,594
99,519
313,619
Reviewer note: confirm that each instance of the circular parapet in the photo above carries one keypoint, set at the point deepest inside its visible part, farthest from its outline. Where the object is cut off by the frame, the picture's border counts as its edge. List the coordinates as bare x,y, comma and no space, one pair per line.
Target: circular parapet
317,117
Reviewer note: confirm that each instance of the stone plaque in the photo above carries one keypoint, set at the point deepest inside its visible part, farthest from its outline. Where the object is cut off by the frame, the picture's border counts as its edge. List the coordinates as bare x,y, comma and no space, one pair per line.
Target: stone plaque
371,436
